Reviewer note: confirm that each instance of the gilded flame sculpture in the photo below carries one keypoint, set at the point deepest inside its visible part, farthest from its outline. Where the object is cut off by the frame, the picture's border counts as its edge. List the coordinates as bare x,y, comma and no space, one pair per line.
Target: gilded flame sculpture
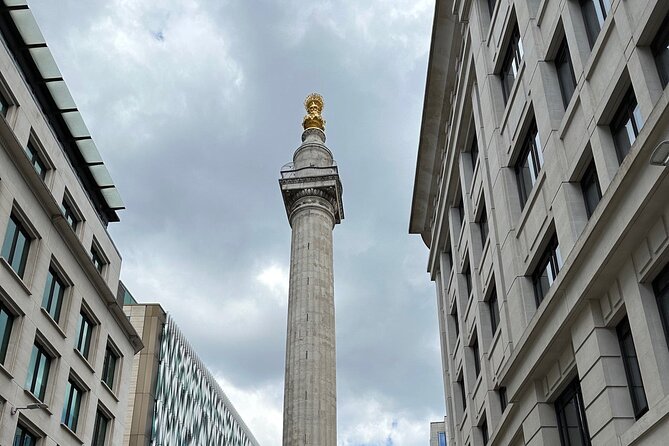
314,106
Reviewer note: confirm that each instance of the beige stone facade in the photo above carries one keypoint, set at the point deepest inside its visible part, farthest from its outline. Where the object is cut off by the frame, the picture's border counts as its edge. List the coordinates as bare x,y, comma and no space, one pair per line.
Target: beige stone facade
547,234
69,344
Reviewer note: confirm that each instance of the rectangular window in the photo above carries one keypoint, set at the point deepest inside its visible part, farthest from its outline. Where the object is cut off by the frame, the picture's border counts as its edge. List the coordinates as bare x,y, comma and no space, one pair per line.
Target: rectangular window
100,429
570,411
503,402
442,438
529,163
511,64
632,370
484,430
16,245
73,395
565,72
626,124
547,270
661,289
69,214
474,152
97,259
4,105
594,14
483,224
590,188
477,357
84,334
54,291
660,48
38,372
36,160
456,322
6,322
22,437
461,212
109,367
493,307
463,392
491,5
468,279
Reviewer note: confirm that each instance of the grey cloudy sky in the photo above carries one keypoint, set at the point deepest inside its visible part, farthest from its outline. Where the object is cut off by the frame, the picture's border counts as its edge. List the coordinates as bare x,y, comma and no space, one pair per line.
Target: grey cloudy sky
195,105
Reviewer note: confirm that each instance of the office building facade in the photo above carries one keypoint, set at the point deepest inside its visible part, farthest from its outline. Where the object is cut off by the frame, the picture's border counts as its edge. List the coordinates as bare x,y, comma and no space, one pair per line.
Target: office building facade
66,347
174,399
547,227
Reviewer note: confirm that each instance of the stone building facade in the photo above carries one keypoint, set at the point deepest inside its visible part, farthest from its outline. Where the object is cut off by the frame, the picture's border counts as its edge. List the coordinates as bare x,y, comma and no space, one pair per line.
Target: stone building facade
547,228
66,347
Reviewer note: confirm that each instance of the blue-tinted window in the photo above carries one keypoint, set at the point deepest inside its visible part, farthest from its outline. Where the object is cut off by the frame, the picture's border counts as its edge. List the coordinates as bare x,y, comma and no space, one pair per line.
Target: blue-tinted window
84,334
16,245
54,291
73,395
38,372
6,322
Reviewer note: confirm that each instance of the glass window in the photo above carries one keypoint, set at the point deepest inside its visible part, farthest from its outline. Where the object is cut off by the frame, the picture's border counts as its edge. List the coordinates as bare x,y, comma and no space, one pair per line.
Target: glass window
97,259
6,322
503,402
38,372
461,212
511,64
483,224
626,124
594,14
565,72
70,415
4,105
84,334
456,322
660,48
547,270
468,279
491,5
109,367
68,213
590,188
632,371
36,160
463,392
474,152
442,438
477,357
529,163
484,430
661,288
54,291
16,245
493,307
570,411
100,429
24,438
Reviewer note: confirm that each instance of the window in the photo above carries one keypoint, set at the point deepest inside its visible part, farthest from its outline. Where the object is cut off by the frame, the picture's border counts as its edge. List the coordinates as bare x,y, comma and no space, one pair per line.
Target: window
547,270
594,14
484,430
6,322
483,223
511,64
97,259
632,371
4,105
461,212
100,429
565,72
69,214
503,402
477,356
84,334
474,152
468,279
660,49
73,394
570,411
491,5
661,288
16,245
463,397
456,322
38,372
442,438
22,437
109,367
529,164
590,187
54,291
493,307
36,160
626,124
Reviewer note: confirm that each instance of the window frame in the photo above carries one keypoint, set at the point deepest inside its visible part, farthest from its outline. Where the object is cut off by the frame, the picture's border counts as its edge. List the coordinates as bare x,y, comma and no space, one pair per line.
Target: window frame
658,48
38,352
113,351
25,432
588,179
483,425
6,334
626,113
513,58
661,290
95,439
532,151
98,257
9,251
601,10
493,309
631,365
74,394
551,257
573,390
562,59
477,355
36,158
85,316
56,277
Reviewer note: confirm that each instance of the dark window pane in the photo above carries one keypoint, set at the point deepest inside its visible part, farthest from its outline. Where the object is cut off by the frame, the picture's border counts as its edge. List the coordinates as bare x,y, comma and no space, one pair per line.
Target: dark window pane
54,290
6,322
529,164
660,48
626,124
502,398
4,105
590,187
84,333
474,152
70,415
565,72
24,438
100,429
661,288
36,160
456,322
570,411
38,372
477,357
468,279
69,215
494,311
16,245
484,430
632,371
511,64
491,6
547,270
109,367
594,14
97,260
483,224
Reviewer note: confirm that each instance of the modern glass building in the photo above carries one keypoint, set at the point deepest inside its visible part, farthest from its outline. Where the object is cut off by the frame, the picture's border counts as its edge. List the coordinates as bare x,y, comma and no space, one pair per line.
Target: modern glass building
174,398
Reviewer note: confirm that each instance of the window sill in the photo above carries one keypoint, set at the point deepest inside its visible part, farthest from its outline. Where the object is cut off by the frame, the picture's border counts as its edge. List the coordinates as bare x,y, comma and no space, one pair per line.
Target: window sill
111,392
53,322
33,397
72,433
18,278
83,358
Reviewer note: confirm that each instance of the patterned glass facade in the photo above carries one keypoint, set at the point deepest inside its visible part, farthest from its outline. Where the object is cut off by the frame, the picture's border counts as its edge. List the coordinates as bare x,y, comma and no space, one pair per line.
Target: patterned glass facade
191,409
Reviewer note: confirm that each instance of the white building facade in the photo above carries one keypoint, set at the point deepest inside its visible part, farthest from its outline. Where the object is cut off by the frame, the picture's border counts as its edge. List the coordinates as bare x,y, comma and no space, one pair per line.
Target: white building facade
547,227
66,347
